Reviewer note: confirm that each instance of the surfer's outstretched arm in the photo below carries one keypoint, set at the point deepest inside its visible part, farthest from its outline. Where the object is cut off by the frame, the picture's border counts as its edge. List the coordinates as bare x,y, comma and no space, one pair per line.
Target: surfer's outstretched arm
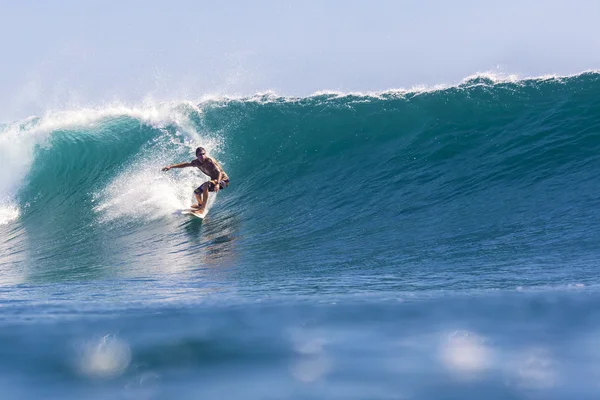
180,165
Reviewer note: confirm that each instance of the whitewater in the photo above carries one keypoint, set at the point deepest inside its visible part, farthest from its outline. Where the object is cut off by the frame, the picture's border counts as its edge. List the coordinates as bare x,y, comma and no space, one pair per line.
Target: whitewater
433,243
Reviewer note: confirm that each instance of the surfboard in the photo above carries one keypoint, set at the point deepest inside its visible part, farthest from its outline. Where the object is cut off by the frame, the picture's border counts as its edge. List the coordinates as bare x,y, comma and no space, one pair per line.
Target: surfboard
195,213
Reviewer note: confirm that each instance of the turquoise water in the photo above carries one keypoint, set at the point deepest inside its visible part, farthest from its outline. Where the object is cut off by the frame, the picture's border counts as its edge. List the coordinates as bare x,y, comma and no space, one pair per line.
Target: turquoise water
435,244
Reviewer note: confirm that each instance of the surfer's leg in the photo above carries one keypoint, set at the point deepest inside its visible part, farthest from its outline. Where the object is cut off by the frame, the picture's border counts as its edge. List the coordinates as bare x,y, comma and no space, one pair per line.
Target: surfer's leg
204,197
199,200
199,192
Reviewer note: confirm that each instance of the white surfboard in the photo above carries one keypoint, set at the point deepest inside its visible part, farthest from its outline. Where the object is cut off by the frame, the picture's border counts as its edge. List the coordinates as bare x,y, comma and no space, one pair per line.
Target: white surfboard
194,212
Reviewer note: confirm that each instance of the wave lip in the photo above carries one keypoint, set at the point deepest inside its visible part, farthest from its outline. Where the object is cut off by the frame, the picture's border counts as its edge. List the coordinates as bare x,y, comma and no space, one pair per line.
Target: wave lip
23,142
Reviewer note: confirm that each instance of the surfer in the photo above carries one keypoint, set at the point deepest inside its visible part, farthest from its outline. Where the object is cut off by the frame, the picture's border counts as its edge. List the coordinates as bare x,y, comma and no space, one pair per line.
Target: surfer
209,166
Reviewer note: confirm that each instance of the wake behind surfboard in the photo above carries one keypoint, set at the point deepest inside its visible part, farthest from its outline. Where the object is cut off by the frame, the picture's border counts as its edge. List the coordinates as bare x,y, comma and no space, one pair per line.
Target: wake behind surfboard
194,212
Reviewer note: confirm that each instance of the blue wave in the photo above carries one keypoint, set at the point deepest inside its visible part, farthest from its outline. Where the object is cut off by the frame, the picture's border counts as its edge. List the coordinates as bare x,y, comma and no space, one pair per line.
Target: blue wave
421,181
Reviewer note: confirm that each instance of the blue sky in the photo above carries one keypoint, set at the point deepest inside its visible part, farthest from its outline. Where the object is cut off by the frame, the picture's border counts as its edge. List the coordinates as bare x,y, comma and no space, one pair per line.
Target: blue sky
68,54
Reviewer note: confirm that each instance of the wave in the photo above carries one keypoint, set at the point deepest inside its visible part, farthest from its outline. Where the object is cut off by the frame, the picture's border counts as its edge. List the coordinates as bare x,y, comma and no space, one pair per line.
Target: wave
491,165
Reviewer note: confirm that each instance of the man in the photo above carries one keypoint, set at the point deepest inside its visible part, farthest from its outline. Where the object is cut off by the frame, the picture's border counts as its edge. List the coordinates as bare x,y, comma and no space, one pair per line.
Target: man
209,166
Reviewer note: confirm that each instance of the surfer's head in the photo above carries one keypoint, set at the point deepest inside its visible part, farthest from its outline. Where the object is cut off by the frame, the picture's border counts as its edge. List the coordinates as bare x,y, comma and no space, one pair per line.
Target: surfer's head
200,153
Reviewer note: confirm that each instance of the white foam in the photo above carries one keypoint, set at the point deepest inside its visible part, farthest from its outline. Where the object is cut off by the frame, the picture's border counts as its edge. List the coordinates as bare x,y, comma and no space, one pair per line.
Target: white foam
260,97
104,358
8,213
465,354
311,363
16,157
143,194
155,114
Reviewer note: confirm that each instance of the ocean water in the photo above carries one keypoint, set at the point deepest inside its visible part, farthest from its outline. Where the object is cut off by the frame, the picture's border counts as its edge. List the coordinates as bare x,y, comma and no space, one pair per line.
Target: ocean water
429,244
